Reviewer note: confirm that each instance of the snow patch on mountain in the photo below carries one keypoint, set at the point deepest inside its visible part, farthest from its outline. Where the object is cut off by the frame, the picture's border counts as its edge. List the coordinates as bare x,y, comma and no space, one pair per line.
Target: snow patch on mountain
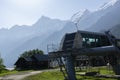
110,3
79,15
110,17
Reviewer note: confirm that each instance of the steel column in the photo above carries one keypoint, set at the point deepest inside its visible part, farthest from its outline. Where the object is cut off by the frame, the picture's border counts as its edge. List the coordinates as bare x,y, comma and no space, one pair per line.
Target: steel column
70,68
115,64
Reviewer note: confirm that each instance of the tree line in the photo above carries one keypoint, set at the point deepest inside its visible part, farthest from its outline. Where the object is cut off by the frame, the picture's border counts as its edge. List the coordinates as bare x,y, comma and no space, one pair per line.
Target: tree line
31,52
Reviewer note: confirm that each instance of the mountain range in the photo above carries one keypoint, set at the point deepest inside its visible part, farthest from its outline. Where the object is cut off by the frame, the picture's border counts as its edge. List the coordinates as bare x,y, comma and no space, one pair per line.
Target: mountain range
16,40
46,31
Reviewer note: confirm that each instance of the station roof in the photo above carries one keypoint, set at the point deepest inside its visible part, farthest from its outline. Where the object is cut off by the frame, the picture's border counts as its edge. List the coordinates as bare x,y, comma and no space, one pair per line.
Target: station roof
88,32
41,57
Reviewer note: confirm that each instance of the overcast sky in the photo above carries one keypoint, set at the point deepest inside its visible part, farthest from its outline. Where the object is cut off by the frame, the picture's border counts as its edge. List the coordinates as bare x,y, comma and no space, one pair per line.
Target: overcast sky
27,12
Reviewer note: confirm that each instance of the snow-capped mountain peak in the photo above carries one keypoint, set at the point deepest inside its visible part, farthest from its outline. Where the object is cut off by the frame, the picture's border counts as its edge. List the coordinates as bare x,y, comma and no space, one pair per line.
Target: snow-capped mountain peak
77,16
109,4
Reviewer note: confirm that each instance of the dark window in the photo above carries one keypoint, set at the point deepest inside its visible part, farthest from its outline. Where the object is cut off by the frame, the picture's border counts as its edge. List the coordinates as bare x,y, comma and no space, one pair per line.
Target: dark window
93,40
69,40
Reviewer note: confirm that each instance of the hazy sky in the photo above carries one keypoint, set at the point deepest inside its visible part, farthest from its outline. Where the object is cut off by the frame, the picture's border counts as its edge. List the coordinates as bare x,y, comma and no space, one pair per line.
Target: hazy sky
27,12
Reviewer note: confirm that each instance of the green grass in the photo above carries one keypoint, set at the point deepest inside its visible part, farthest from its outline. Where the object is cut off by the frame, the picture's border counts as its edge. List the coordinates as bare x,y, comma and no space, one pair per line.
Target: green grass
57,75
7,72
92,78
50,75
104,70
101,70
4,73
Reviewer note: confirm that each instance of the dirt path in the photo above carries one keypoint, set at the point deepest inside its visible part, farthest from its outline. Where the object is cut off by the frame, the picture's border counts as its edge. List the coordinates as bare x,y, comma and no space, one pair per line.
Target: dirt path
19,76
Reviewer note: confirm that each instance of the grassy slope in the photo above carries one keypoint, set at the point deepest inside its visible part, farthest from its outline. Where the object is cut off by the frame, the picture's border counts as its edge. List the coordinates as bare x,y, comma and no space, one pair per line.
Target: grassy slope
7,72
57,75
50,75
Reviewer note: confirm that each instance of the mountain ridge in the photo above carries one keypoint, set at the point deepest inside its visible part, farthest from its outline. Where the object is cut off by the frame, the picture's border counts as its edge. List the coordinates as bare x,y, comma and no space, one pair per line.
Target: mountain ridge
17,35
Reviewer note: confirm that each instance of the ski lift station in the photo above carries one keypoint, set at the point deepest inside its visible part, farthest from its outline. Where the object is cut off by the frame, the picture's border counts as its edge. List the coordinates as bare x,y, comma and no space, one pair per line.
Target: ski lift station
84,43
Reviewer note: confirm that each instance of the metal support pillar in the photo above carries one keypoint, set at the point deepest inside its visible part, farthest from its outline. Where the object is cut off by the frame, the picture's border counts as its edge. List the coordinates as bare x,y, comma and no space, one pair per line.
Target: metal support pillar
70,68
116,69
115,64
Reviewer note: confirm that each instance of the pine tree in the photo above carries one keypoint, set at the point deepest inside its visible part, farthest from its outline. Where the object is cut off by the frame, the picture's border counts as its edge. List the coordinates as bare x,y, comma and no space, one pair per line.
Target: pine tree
31,52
